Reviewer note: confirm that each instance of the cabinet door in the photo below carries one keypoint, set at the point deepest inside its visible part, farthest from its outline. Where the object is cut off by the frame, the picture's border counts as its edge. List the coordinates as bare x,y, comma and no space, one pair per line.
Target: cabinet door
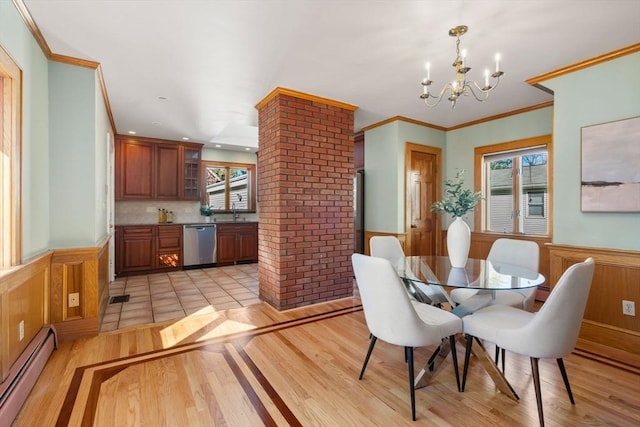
191,174
169,246
247,244
137,248
134,163
167,171
226,246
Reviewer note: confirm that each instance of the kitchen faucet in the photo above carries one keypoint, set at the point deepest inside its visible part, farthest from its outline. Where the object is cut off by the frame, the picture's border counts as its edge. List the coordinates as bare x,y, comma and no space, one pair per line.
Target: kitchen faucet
235,212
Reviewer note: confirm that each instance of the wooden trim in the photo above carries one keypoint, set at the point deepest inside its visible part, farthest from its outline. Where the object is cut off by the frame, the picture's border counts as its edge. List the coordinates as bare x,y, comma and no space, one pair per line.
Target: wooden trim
369,234
503,115
37,34
616,277
403,119
33,27
301,95
478,172
634,48
23,297
437,152
79,270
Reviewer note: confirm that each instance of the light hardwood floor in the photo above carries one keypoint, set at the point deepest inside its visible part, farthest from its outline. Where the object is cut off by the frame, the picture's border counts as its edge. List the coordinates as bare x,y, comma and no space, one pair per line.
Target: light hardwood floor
257,366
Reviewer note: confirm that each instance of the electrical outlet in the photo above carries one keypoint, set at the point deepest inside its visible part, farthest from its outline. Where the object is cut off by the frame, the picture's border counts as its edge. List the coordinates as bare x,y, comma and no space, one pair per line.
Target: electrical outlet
74,300
628,308
21,330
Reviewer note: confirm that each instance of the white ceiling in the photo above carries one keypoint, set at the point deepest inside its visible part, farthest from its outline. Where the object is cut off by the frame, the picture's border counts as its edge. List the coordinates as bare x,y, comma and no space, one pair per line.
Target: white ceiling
214,60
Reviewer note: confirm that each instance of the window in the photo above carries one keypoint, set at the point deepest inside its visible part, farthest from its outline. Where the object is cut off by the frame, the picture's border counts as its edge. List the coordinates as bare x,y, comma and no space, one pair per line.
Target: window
229,186
10,96
514,179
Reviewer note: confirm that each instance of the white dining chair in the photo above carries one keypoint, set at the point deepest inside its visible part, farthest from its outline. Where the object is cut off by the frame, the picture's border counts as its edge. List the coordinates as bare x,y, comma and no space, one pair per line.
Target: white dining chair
552,332
510,252
513,252
392,317
389,248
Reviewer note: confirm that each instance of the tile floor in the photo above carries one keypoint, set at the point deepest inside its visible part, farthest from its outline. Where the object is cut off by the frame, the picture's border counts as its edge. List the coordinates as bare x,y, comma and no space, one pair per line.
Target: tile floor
165,296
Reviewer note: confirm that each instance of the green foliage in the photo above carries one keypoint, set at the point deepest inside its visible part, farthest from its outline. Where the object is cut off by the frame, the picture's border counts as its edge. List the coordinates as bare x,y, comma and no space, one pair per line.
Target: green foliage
457,201
206,210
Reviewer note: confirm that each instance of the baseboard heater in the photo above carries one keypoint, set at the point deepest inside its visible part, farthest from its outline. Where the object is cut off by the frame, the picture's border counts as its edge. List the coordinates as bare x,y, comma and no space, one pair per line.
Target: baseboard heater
24,373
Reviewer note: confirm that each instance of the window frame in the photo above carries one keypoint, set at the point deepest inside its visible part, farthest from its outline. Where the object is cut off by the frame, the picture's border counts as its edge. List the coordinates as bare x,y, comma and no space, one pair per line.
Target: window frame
204,164
10,167
480,215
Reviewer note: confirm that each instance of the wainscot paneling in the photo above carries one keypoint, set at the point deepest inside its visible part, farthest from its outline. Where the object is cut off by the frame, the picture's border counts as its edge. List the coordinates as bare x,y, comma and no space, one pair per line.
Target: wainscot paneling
369,234
83,271
24,296
616,278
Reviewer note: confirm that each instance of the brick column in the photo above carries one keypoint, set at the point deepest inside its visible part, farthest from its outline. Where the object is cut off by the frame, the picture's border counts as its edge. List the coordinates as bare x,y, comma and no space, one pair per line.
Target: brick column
305,197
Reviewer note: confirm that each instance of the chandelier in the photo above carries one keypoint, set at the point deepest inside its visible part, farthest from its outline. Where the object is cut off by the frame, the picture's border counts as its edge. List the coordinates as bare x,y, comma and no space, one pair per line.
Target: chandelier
460,86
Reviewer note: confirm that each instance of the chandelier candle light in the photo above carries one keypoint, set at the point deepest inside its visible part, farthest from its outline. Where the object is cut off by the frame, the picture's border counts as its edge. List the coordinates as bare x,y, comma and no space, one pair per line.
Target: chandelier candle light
460,86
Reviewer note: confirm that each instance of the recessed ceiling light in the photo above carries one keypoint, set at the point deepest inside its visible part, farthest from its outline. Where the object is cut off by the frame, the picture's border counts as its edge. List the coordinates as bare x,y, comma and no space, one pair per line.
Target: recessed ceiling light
247,148
218,145
185,138
131,132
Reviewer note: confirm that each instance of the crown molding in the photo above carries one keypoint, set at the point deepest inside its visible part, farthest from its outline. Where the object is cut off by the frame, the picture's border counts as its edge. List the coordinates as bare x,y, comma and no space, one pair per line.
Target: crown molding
302,95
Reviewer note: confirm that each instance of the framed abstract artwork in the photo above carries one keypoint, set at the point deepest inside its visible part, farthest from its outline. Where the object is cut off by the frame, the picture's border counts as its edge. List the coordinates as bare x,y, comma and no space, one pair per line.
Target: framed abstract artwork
610,180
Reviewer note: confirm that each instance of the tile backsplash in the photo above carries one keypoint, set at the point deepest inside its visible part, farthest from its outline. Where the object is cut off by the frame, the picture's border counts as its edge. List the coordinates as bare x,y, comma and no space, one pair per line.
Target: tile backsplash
146,212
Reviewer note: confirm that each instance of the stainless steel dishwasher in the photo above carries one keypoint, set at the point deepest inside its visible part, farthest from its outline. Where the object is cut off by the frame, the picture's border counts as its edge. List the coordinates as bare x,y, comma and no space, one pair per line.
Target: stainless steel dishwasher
199,244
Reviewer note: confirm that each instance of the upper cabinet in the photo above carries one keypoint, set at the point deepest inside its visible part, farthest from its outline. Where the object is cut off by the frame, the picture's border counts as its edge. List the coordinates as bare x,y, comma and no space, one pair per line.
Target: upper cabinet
153,169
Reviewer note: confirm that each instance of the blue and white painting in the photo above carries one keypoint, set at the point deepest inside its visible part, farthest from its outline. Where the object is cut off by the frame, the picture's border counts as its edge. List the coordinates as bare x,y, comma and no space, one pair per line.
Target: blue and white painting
611,167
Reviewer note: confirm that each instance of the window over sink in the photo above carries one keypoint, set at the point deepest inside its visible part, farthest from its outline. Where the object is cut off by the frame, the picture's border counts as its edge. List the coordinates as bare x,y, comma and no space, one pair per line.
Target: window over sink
229,186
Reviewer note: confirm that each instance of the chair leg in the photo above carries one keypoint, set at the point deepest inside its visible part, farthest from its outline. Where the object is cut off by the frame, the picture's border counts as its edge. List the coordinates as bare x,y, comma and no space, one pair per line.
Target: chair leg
412,387
454,356
498,351
565,378
467,353
366,359
536,384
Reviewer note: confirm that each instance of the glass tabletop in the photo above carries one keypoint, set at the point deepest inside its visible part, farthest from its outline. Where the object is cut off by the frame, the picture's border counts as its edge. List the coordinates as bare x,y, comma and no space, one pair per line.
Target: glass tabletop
477,274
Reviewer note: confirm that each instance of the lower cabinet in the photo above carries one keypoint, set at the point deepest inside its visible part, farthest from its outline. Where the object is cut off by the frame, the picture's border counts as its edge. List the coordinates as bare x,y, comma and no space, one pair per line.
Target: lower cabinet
143,248
237,242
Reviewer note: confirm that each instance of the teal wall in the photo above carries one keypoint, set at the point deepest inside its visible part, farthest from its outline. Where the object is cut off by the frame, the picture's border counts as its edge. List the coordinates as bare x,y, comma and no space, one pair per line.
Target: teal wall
77,157
580,99
17,40
384,171
598,94
461,142
64,149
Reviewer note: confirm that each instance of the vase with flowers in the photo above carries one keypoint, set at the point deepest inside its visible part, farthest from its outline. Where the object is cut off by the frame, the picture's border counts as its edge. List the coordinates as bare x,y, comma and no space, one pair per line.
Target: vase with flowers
206,211
457,201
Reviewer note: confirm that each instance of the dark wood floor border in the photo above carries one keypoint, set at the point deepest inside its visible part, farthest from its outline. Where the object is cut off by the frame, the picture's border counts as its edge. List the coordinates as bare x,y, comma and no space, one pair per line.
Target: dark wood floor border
607,361
255,400
98,372
271,392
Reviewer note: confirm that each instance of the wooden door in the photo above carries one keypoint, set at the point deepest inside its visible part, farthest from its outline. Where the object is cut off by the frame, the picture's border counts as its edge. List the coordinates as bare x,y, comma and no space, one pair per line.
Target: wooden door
422,190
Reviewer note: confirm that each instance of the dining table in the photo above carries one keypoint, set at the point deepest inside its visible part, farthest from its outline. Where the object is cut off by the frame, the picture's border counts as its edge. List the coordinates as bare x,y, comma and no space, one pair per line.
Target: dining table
436,272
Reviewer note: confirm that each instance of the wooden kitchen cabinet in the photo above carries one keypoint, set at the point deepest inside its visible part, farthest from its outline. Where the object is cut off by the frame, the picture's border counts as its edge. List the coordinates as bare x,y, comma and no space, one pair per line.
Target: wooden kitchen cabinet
169,246
148,248
136,248
167,174
237,242
134,169
153,169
